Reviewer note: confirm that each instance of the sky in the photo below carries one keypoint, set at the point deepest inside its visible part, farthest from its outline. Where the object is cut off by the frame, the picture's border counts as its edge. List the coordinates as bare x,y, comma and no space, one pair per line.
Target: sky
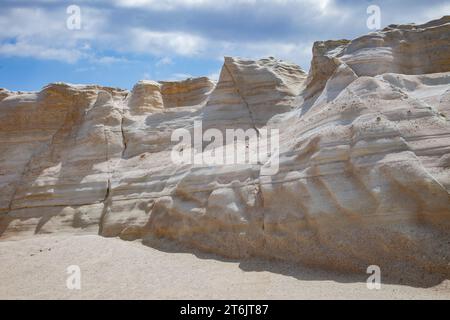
119,42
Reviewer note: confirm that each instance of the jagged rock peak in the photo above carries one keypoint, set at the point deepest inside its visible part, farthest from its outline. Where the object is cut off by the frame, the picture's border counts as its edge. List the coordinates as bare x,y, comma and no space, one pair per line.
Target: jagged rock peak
250,92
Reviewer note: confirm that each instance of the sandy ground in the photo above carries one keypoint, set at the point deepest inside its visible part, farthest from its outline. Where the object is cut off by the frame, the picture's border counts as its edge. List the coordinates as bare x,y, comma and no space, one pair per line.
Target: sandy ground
36,268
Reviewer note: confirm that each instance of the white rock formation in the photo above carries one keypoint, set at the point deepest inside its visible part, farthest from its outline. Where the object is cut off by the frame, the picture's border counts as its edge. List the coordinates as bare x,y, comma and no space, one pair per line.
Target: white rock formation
364,158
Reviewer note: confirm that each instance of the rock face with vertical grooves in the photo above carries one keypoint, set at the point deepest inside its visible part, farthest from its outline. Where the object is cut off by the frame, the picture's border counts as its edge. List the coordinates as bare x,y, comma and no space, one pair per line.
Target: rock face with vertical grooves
364,158
249,93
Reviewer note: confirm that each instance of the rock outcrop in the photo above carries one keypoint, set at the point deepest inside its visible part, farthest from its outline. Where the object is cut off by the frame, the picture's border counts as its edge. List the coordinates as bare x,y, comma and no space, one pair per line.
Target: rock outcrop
188,93
364,158
403,49
3,93
249,93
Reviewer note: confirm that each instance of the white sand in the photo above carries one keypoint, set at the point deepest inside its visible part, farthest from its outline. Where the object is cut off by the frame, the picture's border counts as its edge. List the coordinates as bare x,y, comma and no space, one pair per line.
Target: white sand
36,268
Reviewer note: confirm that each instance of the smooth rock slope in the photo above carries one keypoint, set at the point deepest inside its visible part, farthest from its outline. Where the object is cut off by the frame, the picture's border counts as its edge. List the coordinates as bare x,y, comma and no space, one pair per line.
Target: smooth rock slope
364,153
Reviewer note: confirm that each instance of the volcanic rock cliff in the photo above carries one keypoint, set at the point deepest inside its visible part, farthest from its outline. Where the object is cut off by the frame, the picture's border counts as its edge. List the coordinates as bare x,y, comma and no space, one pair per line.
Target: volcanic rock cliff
364,158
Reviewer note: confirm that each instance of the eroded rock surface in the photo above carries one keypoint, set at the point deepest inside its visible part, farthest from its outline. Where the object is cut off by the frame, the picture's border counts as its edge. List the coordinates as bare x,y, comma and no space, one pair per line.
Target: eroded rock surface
364,174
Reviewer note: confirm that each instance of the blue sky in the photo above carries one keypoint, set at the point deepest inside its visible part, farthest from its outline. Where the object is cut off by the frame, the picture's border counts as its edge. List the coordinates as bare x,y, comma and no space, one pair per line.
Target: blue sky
123,41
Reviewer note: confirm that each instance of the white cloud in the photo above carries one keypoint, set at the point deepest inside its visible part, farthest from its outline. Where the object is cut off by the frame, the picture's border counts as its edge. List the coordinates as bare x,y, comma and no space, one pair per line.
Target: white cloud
21,49
164,62
161,4
159,43
108,60
42,34
170,5
168,29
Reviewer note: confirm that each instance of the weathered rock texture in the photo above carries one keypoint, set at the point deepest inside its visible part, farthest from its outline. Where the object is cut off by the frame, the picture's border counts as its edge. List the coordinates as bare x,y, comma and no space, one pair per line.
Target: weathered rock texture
364,158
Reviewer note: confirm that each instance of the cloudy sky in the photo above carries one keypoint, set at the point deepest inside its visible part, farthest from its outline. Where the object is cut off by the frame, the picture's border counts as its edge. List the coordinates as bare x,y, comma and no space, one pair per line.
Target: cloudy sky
122,41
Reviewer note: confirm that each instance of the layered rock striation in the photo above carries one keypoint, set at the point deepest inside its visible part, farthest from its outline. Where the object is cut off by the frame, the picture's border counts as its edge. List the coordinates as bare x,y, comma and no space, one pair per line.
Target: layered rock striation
364,158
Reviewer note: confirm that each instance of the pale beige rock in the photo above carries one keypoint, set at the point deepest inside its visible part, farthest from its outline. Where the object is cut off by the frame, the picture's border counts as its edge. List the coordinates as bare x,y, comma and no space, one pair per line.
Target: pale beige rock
4,93
364,158
146,97
404,49
249,93
188,93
